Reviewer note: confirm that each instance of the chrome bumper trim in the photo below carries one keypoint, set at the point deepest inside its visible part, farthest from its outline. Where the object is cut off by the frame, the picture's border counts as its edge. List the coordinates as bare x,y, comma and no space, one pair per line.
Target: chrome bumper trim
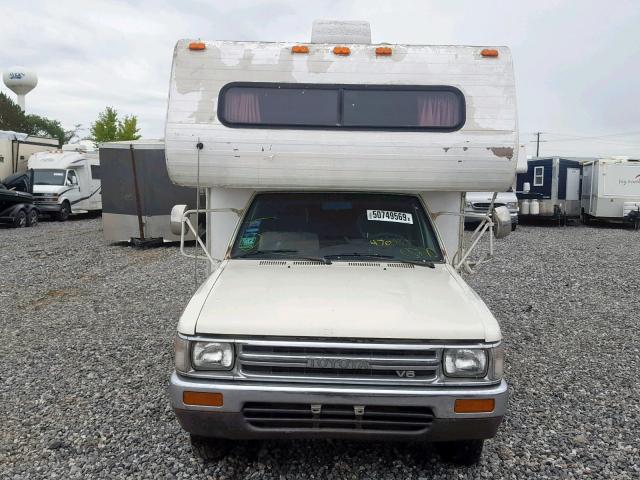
439,399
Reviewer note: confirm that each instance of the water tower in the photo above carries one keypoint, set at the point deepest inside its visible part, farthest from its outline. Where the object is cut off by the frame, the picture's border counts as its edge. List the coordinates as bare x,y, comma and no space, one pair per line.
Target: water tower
21,81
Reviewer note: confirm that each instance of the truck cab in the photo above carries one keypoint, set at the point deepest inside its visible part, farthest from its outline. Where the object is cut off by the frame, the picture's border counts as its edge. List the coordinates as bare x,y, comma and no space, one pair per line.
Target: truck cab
334,174
66,181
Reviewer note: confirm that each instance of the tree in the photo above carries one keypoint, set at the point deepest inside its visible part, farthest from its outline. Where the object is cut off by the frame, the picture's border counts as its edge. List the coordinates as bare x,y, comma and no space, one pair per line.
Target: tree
108,128
11,115
13,118
128,128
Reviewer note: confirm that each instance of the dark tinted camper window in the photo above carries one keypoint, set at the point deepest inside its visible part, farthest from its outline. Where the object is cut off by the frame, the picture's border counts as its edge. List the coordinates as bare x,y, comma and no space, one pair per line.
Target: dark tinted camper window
368,107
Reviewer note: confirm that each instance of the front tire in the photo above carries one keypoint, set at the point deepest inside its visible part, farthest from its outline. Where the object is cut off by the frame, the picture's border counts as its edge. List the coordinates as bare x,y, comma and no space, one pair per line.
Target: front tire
32,218
462,452
20,220
210,449
65,211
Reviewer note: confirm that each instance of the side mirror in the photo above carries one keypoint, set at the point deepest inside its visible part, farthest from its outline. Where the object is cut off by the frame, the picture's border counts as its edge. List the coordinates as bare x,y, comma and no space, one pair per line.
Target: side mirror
501,222
177,214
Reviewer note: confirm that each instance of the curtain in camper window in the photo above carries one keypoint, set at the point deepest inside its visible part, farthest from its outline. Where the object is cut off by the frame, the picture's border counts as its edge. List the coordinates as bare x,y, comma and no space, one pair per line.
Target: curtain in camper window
242,107
438,109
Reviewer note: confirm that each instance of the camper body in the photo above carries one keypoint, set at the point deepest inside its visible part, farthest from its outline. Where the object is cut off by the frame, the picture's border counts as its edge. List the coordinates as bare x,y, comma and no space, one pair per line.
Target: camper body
16,148
66,181
156,194
610,189
336,310
553,185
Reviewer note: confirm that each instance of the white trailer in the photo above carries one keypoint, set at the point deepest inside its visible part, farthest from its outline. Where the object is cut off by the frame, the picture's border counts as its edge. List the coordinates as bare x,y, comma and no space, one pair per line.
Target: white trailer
66,181
610,189
334,175
16,148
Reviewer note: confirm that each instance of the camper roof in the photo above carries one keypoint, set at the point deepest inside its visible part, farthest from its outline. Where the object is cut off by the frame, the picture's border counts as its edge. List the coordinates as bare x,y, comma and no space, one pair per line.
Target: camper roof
58,159
268,115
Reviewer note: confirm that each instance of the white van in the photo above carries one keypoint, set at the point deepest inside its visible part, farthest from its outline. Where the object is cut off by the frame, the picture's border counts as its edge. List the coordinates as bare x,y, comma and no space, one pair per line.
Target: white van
66,181
334,174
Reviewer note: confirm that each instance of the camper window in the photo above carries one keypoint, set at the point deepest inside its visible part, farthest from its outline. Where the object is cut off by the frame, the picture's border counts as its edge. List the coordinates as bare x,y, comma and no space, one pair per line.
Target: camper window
386,107
337,226
538,176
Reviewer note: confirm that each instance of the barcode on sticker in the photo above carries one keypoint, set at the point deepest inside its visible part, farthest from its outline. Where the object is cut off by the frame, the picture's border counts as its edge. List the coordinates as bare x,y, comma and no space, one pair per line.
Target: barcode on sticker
388,216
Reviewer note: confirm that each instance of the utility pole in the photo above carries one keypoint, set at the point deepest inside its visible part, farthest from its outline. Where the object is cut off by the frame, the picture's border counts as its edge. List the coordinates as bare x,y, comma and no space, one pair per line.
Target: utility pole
538,144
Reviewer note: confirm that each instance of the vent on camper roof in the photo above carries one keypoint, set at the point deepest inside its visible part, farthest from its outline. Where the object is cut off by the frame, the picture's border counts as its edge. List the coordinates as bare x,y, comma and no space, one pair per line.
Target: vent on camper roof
272,262
363,264
308,262
400,265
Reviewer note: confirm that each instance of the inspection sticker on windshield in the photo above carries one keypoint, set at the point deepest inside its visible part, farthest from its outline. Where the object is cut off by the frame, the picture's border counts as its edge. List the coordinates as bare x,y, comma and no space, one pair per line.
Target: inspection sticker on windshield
387,216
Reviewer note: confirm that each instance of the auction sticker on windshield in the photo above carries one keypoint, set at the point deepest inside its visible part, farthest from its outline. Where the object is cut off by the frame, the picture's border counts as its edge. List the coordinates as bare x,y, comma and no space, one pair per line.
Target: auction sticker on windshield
388,216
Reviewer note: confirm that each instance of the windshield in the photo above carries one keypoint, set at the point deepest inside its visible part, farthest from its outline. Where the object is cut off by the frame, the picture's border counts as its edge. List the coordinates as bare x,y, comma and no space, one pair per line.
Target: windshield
48,177
337,226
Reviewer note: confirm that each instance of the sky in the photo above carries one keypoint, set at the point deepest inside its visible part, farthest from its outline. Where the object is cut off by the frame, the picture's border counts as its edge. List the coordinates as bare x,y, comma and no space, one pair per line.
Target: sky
577,63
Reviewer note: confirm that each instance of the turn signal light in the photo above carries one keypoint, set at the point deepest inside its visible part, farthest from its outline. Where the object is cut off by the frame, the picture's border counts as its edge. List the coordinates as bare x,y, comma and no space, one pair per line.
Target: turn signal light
474,405
206,399
299,49
197,46
489,52
341,50
383,51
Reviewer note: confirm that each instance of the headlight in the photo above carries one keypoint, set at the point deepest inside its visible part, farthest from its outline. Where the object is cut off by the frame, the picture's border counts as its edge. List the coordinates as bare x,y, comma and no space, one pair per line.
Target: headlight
512,205
212,356
468,203
465,362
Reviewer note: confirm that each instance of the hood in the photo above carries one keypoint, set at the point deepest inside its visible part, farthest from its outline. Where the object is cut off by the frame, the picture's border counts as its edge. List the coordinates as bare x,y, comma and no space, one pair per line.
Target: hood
501,197
341,301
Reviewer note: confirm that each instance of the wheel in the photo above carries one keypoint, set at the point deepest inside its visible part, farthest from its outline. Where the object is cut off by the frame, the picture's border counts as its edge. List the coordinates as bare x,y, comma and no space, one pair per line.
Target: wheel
65,211
20,220
514,226
462,452
210,449
32,218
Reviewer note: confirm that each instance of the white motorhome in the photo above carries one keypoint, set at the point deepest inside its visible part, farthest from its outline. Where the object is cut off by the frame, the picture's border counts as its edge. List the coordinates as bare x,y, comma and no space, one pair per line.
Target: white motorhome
66,181
610,189
16,148
334,174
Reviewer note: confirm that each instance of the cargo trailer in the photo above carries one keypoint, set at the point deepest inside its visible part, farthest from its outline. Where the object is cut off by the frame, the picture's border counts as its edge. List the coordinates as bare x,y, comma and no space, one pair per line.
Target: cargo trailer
137,194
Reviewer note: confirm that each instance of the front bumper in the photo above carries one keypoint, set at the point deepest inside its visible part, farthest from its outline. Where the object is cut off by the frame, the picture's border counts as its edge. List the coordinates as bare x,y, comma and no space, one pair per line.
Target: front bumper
228,421
48,207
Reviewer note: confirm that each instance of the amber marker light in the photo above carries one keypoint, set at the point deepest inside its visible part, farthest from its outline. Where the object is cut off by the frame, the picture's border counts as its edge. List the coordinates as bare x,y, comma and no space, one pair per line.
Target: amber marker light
383,51
489,52
197,45
204,399
299,49
341,50
475,405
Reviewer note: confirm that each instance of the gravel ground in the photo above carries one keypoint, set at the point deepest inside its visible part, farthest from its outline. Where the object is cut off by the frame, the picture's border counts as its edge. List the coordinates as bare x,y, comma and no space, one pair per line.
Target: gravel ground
85,354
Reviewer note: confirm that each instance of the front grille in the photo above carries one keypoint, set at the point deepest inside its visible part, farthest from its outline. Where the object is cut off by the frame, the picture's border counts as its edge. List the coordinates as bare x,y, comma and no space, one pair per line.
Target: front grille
485,206
344,364
300,416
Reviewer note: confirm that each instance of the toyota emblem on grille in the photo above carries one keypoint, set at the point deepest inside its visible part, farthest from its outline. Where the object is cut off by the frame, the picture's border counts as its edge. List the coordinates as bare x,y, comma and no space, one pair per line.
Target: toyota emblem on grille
338,363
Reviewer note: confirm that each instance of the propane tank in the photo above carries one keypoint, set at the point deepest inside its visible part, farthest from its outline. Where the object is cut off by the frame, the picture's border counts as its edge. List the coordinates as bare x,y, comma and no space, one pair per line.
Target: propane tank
524,207
534,208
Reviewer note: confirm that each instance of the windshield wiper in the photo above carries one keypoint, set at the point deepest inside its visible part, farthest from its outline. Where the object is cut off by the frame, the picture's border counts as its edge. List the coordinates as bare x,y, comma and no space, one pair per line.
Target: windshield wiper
284,252
422,263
